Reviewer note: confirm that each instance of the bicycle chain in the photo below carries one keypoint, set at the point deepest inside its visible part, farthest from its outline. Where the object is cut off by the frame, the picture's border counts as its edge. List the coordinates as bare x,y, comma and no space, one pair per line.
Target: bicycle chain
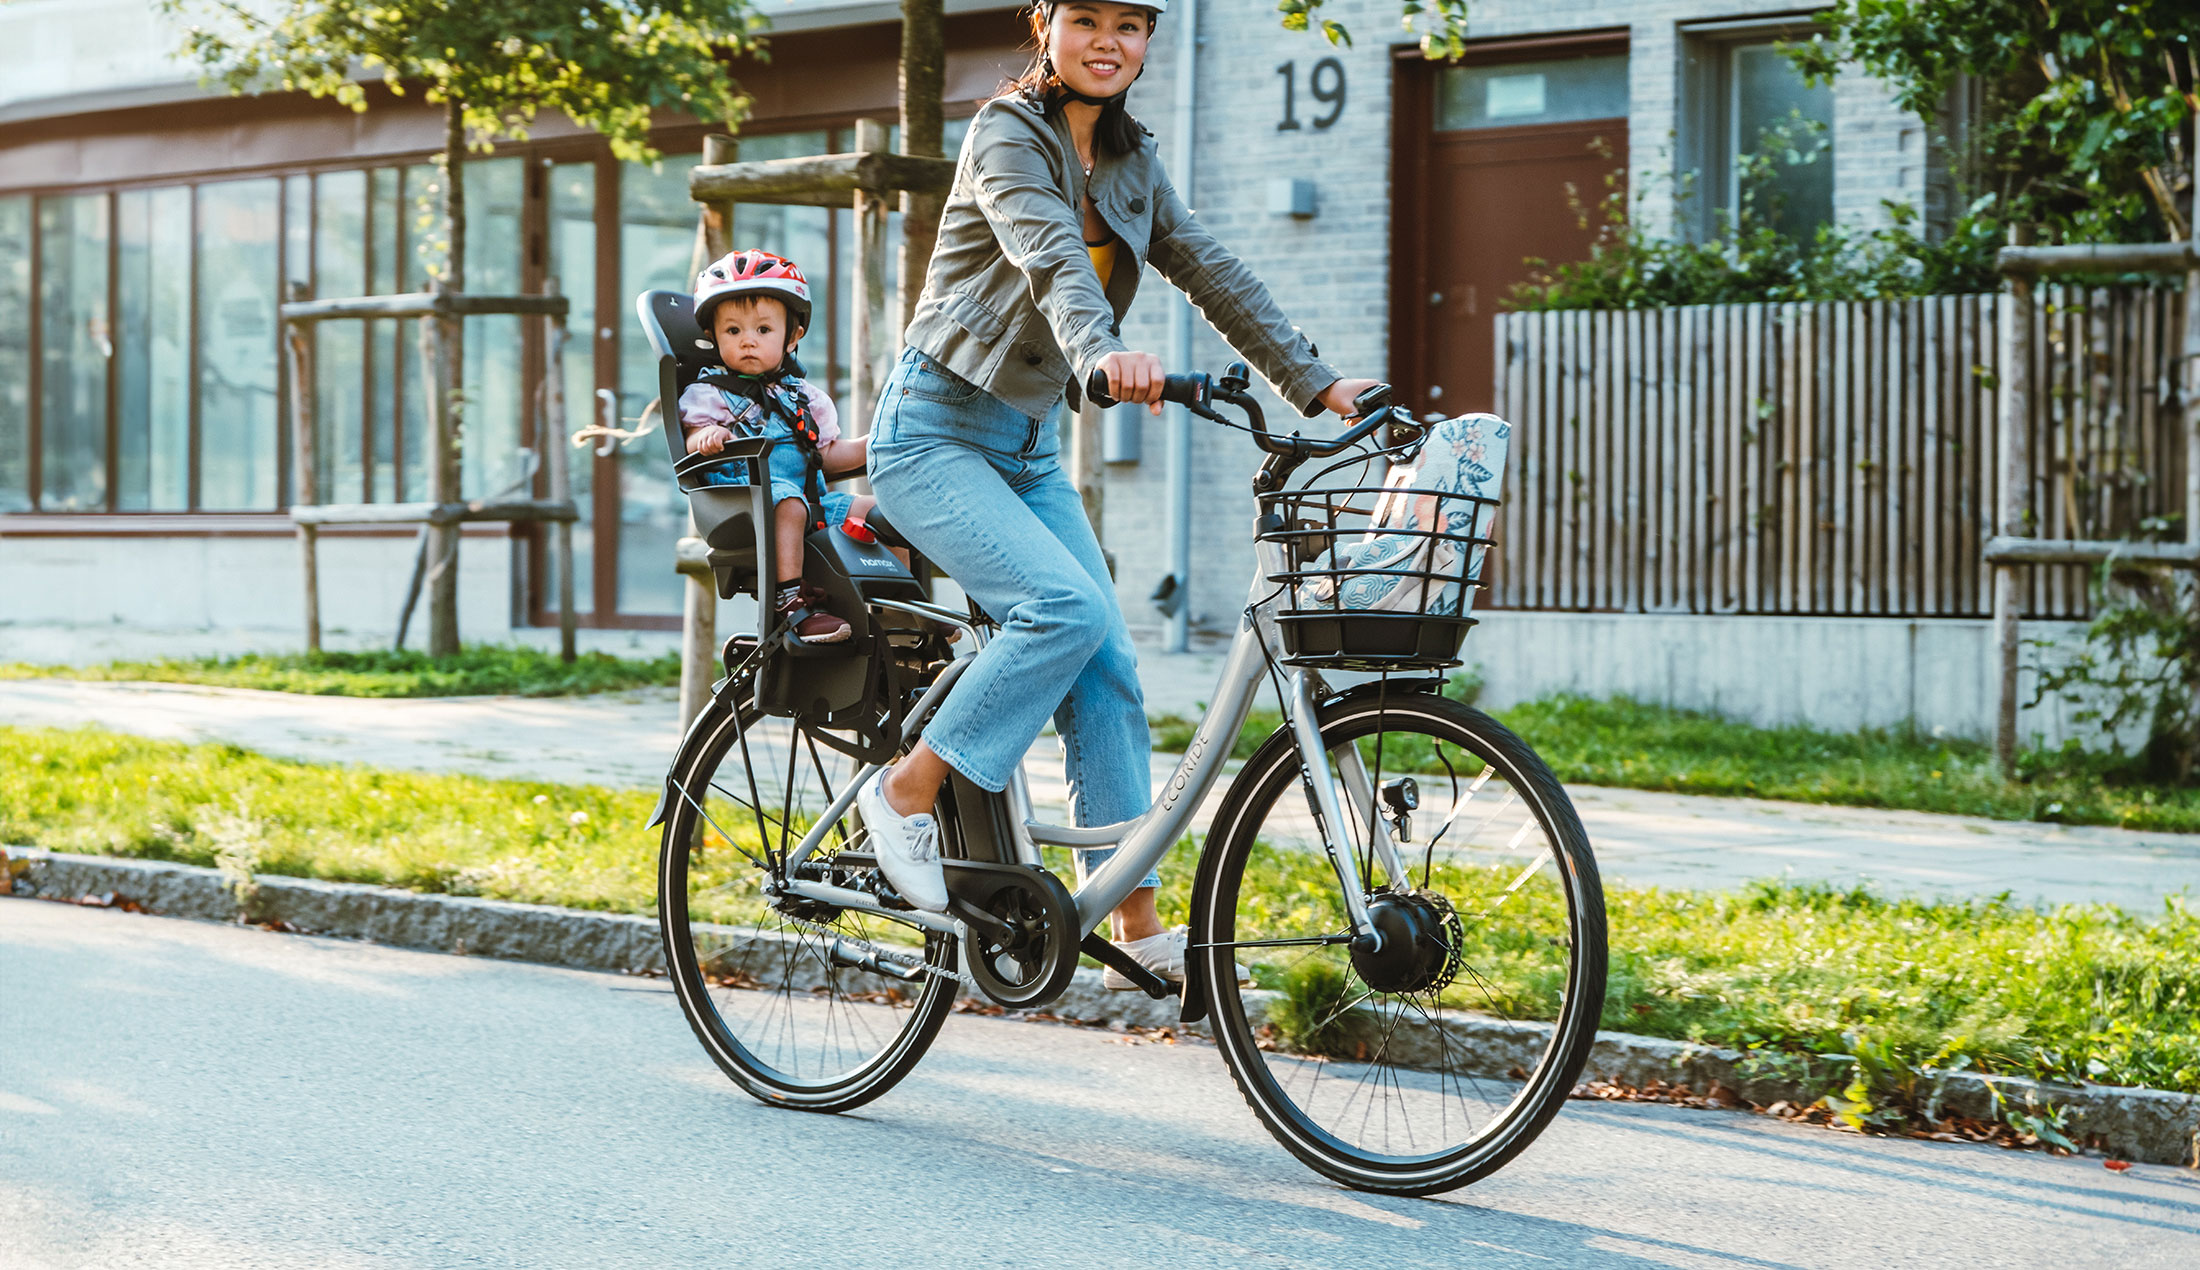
880,951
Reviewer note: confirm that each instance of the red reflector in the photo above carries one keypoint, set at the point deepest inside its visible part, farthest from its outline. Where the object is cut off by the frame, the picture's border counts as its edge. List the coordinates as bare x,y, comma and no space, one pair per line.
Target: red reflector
856,529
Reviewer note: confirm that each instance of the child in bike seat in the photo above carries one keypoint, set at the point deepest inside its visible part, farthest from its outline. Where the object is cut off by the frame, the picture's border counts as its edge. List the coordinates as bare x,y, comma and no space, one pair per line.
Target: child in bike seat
755,306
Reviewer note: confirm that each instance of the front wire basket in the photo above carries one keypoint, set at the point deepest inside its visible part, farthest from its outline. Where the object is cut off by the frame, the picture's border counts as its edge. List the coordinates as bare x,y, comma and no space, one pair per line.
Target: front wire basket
1380,577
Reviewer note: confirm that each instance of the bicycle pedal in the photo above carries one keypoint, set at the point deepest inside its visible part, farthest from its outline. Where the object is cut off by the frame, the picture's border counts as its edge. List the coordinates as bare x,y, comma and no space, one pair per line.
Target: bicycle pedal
1146,981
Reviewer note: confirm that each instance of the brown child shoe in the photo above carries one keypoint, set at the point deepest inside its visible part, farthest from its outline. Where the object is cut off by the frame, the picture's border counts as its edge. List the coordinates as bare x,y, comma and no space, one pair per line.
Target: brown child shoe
812,625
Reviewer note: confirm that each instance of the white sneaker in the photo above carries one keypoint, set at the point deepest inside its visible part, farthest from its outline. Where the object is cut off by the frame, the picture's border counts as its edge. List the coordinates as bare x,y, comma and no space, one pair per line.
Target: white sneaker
1163,954
907,848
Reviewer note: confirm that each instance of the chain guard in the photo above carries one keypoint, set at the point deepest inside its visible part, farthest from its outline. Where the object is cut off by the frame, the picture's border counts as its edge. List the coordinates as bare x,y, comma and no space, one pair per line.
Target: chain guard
1029,963
1022,944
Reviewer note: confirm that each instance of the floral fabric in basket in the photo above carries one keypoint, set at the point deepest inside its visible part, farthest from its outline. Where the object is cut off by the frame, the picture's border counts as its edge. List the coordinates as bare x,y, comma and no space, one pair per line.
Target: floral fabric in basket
1465,455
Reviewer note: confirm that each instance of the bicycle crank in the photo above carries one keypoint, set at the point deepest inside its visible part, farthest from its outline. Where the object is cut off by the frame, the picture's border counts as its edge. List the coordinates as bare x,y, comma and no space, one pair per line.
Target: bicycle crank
1019,942
1021,945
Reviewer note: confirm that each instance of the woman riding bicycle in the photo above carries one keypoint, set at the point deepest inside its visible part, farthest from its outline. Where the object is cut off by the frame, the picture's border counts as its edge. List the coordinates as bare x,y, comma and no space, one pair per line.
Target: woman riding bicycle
1059,203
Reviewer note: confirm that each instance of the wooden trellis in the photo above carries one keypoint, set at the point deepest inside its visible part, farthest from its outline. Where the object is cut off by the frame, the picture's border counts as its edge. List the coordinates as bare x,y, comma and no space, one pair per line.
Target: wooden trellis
2017,543
440,517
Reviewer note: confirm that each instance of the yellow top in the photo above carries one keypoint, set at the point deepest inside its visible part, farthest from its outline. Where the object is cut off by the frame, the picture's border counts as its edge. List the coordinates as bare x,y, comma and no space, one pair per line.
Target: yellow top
1103,258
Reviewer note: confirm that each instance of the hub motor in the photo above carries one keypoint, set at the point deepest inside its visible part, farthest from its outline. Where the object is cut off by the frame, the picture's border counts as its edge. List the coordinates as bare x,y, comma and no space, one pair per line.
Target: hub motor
1421,942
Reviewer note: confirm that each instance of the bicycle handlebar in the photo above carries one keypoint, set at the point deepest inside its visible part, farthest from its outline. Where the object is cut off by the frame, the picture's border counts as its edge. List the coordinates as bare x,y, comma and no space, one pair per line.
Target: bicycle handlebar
1197,393
1194,389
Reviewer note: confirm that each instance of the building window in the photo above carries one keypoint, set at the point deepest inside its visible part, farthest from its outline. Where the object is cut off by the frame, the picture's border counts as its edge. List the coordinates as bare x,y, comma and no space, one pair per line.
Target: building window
571,221
656,245
495,194
153,361
1758,138
1515,94
76,342
240,226
1779,141
344,452
15,353
143,369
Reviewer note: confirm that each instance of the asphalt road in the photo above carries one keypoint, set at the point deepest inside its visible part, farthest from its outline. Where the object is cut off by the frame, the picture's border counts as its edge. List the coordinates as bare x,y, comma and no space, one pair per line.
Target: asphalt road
184,1094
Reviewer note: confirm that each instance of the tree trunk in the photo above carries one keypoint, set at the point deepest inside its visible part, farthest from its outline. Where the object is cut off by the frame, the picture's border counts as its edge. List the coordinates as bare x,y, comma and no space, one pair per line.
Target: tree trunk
923,80
446,423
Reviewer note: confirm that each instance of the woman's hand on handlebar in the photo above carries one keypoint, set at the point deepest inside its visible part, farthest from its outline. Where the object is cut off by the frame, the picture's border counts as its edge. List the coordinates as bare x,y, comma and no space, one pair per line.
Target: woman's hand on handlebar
1134,378
1337,398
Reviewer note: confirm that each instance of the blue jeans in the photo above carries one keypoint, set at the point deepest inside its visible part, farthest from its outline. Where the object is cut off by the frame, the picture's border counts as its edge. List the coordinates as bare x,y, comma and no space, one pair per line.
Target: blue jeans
979,489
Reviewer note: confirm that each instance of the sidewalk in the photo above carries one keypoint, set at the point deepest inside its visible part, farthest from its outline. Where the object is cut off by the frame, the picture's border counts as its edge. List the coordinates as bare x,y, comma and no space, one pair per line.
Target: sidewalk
1641,837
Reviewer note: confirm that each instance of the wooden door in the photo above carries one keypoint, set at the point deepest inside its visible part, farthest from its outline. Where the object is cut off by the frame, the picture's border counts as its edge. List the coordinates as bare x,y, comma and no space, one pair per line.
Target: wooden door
1489,196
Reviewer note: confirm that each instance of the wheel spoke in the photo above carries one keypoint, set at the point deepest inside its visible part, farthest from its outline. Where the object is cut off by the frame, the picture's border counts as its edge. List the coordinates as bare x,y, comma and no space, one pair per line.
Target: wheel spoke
1362,1068
779,989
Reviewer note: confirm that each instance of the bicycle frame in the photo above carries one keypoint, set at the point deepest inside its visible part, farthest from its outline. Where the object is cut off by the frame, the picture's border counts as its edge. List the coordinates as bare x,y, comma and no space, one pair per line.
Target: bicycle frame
1143,841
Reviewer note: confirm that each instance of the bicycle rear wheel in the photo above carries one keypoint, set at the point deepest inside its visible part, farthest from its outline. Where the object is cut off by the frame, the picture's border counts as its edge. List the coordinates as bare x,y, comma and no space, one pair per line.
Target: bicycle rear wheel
802,1004
1429,1063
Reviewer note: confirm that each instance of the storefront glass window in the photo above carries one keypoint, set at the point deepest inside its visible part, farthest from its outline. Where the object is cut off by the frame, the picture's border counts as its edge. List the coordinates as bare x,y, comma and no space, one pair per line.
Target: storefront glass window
76,340
572,221
339,348
15,354
494,190
656,241
153,360
420,238
384,212
237,281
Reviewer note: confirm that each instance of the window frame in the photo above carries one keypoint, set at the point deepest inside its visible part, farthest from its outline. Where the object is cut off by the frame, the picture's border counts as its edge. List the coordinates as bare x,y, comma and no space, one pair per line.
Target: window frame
1706,111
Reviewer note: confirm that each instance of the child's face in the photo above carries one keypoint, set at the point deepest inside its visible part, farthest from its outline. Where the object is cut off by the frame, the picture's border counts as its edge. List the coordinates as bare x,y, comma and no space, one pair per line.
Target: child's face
753,333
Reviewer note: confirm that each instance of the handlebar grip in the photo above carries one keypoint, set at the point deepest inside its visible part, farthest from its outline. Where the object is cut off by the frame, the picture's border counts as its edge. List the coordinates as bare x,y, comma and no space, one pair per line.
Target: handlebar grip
1184,390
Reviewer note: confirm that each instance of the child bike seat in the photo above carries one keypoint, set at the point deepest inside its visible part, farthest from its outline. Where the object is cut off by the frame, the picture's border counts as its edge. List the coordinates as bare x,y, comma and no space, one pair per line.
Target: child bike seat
726,516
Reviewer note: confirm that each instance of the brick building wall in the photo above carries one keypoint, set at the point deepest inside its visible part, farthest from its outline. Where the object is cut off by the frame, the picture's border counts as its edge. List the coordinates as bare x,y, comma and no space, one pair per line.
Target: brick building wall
1331,273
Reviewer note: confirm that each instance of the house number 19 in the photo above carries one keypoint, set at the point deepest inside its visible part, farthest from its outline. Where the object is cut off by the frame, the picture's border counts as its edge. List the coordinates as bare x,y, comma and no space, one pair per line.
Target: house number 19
1325,85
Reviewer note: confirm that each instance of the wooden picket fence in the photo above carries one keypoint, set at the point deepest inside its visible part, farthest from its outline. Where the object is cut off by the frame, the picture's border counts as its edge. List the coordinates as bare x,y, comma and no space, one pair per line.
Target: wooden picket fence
1820,459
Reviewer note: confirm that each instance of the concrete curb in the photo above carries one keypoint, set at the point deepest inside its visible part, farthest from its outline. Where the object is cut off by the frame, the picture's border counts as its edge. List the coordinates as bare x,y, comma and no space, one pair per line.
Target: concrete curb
385,915
2146,1125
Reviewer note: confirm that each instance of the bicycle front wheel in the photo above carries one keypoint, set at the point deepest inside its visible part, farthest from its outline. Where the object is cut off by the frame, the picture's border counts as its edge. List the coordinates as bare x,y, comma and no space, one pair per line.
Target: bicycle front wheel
1429,1062
803,1005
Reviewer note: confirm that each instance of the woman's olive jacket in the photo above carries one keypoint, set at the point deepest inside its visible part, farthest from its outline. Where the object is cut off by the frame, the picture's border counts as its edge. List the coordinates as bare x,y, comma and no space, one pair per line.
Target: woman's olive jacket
1012,303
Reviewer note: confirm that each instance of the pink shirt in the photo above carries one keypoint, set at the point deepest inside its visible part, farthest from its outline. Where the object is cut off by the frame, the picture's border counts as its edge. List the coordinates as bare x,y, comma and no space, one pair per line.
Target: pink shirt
702,406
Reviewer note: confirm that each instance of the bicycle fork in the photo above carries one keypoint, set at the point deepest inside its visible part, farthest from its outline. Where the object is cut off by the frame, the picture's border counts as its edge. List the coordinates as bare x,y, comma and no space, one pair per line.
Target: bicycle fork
1331,821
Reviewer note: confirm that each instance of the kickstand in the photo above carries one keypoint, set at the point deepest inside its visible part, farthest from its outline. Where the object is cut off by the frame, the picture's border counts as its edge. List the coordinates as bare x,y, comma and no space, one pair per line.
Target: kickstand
1108,954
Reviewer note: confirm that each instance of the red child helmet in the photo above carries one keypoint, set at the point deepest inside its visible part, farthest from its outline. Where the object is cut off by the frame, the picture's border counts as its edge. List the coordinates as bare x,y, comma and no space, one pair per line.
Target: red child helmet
753,272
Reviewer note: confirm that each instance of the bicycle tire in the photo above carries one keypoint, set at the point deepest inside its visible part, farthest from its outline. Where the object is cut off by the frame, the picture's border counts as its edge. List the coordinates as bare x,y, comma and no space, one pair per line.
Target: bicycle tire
1564,909
800,988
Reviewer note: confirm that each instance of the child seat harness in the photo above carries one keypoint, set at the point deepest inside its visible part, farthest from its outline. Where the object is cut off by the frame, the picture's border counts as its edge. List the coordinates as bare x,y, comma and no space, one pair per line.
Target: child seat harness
752,397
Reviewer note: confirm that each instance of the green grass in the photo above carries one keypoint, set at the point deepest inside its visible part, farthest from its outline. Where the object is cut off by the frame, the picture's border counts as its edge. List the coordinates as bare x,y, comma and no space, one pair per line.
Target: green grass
1795,969
478,670
104,793
1633,745
1617,742
1807,970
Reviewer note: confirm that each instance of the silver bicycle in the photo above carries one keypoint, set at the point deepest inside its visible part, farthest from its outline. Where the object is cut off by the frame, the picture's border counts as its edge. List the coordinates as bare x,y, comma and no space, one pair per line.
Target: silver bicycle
1404,879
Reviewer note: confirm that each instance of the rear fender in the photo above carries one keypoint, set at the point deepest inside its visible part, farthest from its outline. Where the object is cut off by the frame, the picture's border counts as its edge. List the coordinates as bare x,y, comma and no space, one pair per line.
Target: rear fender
708,721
